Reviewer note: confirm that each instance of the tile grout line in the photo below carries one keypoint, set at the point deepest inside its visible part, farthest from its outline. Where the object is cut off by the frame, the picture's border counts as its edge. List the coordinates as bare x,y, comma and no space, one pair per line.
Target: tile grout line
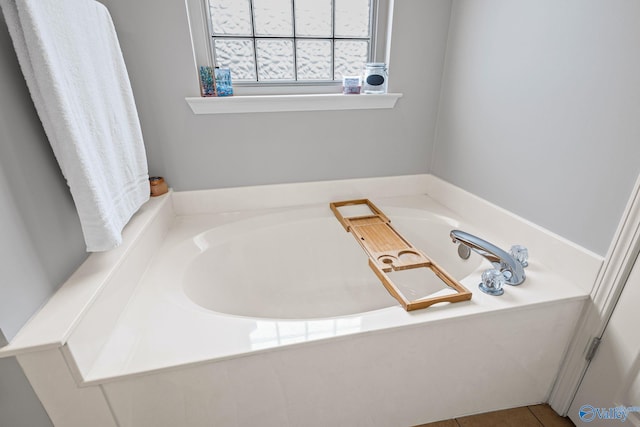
536,417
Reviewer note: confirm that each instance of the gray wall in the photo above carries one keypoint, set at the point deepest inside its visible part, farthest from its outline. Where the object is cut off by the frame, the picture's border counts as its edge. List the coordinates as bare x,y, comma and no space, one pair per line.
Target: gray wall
540,110
41,237
538,113
195,152
41,240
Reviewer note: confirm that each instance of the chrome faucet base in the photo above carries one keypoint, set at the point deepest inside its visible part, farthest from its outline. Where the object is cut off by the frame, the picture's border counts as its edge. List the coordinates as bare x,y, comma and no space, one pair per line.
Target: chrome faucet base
508,277
490,291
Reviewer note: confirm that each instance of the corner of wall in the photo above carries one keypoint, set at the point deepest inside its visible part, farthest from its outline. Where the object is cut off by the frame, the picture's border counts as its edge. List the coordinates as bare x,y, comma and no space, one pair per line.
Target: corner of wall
443,75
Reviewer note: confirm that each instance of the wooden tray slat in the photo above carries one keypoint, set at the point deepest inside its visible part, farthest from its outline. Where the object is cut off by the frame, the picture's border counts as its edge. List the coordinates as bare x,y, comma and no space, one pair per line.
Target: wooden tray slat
380,237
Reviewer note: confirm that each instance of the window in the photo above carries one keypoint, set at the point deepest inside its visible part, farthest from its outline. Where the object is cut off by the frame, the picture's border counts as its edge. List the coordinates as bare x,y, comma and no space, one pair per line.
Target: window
292,41
309,44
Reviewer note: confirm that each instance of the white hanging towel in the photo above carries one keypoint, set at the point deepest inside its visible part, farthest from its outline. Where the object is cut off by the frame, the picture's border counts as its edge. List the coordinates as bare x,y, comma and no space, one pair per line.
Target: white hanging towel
71,59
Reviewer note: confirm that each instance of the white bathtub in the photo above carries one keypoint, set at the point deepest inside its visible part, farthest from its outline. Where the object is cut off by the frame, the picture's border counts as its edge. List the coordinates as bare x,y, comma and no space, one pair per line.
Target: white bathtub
272,317
300,264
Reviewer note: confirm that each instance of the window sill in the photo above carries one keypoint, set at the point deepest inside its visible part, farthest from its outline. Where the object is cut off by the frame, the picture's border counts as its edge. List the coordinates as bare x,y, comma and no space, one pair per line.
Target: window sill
278,103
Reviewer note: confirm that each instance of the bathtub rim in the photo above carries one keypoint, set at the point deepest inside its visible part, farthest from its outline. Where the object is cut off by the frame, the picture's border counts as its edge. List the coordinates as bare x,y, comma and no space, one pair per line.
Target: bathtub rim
52,326
545,287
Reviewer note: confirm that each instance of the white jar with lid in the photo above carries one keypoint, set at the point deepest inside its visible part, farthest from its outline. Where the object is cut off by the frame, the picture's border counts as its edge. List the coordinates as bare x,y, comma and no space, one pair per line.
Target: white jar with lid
375,77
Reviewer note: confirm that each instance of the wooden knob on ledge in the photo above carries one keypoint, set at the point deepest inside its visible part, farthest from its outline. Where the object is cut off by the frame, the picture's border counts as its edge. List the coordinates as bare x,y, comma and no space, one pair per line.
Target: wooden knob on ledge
158,186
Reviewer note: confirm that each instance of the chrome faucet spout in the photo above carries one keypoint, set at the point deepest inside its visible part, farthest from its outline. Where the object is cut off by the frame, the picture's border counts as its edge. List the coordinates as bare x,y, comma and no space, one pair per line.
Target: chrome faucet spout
503,261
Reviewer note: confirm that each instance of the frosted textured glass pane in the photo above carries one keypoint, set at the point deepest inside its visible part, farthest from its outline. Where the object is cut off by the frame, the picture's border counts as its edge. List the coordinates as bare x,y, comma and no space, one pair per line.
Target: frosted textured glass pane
238,56
273,17
275,59
350,57
314,59
231,17
313,18
352,18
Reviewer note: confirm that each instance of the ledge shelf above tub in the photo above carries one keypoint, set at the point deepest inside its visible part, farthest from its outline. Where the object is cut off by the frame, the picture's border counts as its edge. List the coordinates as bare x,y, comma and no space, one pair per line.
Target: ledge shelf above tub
390,253
299,102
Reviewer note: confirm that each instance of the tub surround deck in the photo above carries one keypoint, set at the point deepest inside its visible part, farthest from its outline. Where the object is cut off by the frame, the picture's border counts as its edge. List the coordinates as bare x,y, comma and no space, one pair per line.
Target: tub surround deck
121,323
52,325
161,328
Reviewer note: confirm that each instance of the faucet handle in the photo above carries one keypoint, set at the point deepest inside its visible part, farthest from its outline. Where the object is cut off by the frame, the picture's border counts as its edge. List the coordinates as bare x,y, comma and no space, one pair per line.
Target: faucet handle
492,282
520,254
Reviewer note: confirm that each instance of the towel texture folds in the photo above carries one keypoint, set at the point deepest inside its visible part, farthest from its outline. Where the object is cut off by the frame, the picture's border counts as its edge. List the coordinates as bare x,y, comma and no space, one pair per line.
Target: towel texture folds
71,59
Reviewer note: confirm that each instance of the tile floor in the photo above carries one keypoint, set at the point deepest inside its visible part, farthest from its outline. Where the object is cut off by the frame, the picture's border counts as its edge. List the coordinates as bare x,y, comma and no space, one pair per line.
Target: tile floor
526,416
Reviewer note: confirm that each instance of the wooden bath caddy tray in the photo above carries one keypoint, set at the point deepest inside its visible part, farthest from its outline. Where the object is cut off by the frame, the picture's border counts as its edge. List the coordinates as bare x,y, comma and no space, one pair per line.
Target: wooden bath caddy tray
388,252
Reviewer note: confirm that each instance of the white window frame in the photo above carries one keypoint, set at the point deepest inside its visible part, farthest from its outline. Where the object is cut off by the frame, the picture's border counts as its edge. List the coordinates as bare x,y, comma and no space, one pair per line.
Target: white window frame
370,39
295,96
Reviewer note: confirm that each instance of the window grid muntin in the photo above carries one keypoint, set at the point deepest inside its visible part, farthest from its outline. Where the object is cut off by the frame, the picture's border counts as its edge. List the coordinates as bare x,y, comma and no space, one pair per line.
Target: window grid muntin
295,45
370,41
